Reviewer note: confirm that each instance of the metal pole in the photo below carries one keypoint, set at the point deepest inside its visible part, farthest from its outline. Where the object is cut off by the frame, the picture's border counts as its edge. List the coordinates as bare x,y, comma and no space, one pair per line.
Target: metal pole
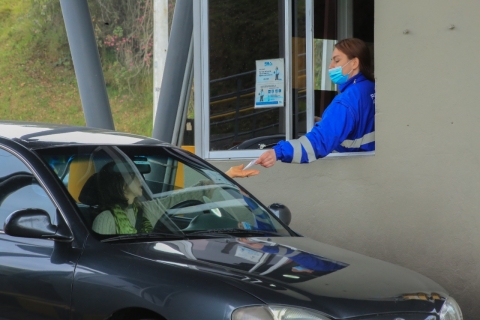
345,19
288,69
237,109
185,113
174,72
201,79
184,99
309,7
86,62
160,46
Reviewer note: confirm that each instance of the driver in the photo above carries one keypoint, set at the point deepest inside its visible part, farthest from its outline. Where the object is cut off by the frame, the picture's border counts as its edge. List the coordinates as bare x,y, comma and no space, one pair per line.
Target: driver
121,210
123,213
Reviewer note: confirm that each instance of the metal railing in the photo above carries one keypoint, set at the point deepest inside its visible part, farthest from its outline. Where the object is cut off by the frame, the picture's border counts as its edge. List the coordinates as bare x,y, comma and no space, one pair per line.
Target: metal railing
236,97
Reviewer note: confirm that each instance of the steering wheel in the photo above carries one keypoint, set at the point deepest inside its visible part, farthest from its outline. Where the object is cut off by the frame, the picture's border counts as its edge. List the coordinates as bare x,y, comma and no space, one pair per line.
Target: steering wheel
183,204
220,212
165,224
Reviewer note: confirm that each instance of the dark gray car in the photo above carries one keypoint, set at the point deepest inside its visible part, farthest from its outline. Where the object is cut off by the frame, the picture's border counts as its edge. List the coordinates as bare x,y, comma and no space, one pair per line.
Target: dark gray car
191,244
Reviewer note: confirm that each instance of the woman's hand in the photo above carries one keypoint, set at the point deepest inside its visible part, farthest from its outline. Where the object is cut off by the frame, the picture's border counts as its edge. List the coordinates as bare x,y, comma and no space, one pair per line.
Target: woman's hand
267,159
238,172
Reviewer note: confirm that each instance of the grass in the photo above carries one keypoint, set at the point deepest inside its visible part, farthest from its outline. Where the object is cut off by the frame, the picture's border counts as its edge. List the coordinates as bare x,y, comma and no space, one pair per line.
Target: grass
133,112
38,82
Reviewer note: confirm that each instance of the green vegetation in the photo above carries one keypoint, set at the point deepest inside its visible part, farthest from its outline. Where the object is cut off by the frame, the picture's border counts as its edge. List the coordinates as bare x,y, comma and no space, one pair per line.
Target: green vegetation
37,77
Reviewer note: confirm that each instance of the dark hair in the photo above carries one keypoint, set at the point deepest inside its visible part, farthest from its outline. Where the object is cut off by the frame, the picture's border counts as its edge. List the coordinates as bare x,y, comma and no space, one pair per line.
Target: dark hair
110,185
356,48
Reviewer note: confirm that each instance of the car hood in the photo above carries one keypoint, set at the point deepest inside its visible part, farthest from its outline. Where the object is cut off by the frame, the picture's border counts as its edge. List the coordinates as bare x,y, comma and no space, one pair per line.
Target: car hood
302,272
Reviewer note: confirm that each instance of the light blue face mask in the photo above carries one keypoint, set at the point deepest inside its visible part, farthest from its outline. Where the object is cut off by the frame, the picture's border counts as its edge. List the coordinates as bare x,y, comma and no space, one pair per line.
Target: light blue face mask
337,76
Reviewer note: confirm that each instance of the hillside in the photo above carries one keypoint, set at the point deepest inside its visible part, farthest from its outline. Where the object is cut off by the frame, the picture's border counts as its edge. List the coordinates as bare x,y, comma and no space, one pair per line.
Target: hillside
37,78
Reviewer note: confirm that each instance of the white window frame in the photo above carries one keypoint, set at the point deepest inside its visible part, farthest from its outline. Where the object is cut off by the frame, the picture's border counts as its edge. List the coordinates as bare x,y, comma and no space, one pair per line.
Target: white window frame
202,77
202,85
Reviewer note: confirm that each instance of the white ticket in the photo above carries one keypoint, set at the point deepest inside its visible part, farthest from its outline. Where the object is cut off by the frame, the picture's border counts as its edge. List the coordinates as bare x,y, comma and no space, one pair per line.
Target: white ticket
250,164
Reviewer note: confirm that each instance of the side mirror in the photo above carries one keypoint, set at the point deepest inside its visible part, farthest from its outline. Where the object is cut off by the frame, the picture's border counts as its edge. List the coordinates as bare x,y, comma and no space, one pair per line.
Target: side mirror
32,223
282,212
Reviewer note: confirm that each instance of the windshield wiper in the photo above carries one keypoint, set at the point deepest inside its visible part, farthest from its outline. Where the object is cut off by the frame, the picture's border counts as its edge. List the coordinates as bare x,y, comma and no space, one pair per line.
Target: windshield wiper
234,231
142,236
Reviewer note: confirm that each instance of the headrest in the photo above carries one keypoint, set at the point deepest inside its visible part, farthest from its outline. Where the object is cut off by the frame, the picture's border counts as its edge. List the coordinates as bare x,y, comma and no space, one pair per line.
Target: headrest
80,170
89,193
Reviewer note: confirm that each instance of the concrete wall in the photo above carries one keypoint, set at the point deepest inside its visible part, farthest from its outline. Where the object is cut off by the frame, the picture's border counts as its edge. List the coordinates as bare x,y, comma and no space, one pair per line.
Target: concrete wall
416,202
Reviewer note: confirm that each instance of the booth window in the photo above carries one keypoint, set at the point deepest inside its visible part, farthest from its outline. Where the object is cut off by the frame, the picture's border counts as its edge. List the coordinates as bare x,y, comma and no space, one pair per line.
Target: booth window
241,32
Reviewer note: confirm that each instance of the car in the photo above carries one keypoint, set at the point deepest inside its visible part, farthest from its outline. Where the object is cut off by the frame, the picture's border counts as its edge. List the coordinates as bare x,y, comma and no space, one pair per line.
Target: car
211,250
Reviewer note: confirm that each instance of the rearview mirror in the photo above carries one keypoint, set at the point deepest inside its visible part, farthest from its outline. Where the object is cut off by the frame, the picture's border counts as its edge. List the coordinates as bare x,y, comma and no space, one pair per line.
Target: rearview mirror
282,212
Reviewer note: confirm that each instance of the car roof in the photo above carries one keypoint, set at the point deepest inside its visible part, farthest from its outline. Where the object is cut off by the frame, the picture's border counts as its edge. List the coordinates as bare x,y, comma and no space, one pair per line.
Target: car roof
35,135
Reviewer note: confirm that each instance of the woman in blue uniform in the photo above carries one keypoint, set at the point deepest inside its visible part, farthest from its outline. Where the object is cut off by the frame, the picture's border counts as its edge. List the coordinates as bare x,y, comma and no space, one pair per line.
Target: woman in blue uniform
347,125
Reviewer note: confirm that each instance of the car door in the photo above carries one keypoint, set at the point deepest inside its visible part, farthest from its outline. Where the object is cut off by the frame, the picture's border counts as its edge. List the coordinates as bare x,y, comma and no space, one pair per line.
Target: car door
35,274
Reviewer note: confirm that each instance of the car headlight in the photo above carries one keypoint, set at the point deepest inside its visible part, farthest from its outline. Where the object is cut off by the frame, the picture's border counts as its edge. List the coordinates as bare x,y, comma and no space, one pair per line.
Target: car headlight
451,310
276,313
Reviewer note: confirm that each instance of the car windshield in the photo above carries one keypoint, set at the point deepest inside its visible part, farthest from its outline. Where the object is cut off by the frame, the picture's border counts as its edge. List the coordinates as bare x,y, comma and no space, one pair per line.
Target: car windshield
140,192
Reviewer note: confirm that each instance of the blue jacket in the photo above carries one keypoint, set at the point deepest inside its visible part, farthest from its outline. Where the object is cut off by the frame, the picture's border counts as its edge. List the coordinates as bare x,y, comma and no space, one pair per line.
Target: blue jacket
347,125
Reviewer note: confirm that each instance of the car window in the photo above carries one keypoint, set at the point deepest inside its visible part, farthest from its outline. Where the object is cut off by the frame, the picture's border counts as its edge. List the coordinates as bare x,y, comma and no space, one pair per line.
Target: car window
151,189
19,189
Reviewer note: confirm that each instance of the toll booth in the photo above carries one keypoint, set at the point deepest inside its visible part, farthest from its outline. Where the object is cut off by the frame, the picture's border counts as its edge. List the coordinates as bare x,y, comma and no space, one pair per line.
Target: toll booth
238,113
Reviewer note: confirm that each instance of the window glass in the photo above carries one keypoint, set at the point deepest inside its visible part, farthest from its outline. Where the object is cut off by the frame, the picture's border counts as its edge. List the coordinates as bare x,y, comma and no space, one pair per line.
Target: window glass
325,37
326,34
143,190
240,33
19,189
